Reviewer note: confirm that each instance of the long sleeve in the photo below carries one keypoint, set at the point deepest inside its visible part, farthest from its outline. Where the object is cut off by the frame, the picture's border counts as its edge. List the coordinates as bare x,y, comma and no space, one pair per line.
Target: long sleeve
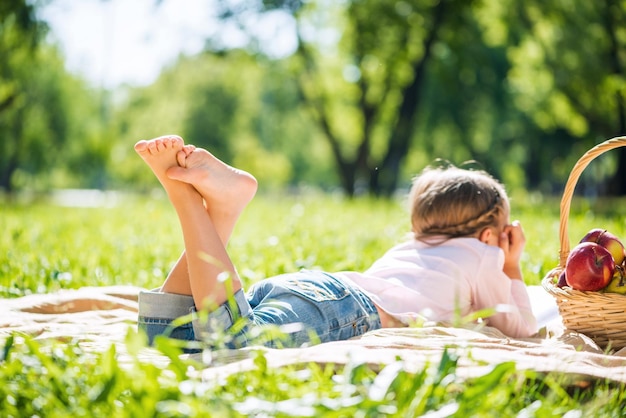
494,290
458,277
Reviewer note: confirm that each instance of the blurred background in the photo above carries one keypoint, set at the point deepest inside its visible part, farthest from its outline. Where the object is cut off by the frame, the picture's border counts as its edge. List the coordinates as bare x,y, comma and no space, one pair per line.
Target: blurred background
354,96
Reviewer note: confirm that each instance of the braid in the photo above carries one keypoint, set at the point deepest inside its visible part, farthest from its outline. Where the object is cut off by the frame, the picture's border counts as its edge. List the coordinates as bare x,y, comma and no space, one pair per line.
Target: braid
468,227
454,202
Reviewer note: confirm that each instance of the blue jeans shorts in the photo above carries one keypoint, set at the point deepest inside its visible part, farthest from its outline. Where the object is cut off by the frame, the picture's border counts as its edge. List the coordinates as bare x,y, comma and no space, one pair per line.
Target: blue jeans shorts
304,307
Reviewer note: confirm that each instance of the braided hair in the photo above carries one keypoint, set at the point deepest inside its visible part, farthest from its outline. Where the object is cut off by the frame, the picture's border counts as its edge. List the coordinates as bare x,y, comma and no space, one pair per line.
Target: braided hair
455,202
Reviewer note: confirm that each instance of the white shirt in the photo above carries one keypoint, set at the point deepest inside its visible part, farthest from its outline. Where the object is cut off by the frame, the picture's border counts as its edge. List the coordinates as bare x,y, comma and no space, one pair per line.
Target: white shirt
447,281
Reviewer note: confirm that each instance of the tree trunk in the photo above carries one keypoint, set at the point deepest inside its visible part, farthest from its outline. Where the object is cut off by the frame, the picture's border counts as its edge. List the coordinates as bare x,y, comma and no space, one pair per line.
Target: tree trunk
384,179
6,174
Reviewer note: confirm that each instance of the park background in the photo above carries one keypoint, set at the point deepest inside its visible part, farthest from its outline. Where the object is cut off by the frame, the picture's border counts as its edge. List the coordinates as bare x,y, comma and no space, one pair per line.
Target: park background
350,96
334,106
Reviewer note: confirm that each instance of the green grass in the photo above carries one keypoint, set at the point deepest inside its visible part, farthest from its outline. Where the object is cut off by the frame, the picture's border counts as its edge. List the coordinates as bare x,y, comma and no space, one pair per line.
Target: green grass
46,248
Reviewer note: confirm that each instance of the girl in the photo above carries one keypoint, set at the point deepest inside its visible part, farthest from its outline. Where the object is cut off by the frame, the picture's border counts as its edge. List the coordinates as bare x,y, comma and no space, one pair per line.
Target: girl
464,257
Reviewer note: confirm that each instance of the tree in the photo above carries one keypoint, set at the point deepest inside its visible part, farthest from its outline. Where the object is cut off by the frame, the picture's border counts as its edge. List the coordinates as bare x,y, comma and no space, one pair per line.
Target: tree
49,120
511,83
364,90
20,35
569,75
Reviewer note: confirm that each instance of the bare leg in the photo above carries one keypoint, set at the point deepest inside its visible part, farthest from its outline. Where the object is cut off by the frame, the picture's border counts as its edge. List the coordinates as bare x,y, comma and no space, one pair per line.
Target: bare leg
206,256
226,192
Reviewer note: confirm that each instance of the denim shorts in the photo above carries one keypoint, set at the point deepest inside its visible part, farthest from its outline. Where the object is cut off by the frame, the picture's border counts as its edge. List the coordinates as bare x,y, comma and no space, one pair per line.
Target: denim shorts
283,311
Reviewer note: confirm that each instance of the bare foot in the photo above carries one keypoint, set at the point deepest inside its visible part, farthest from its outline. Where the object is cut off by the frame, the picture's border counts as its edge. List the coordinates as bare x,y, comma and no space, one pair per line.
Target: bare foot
217,182
160,154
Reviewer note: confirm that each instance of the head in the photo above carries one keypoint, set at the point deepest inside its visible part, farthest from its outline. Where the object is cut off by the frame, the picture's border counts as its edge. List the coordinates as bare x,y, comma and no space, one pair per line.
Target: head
456,202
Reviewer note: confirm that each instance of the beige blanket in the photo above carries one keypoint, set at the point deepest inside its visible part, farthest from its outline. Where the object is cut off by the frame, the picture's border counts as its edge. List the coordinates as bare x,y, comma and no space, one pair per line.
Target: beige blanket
98,317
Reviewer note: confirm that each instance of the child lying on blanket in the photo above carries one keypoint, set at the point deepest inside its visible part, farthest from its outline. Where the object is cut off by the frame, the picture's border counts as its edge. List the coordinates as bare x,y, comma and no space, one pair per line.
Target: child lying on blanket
464,257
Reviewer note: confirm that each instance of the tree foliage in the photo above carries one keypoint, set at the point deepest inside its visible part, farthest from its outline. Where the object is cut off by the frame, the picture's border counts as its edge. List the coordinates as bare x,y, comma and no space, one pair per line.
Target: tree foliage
569,75
373,91
45,113
490,80
241,108
20,34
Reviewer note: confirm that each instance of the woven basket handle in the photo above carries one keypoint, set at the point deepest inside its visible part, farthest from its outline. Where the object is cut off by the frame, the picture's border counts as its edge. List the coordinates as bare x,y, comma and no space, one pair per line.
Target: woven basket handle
574,175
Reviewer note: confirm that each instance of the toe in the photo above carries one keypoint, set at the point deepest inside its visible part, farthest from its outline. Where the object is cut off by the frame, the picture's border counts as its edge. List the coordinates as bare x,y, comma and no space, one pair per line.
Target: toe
181,158
141,146
176,141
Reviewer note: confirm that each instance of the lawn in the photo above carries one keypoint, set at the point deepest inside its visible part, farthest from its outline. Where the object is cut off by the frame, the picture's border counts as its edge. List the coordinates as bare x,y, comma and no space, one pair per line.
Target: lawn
134,240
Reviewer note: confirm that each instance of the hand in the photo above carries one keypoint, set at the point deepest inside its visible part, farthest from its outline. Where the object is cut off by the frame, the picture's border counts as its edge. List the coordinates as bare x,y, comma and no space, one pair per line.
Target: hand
512,242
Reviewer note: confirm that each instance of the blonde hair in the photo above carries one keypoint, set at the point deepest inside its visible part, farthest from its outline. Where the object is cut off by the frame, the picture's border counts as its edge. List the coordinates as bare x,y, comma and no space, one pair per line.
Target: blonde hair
453,202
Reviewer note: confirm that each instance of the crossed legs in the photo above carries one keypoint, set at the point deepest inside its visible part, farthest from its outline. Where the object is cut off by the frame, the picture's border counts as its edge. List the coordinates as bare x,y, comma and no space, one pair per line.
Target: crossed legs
208,197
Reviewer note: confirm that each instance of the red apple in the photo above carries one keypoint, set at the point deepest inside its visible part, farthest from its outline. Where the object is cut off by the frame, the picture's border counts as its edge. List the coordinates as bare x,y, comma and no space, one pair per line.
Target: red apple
589,266
608,241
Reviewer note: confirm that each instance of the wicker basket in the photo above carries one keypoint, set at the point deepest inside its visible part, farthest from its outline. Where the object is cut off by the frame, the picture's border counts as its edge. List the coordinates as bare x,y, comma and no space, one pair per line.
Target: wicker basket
600,316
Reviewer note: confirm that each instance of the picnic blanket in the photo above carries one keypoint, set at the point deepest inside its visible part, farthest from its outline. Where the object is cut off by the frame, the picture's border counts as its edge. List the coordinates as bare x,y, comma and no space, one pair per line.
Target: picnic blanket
97,317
